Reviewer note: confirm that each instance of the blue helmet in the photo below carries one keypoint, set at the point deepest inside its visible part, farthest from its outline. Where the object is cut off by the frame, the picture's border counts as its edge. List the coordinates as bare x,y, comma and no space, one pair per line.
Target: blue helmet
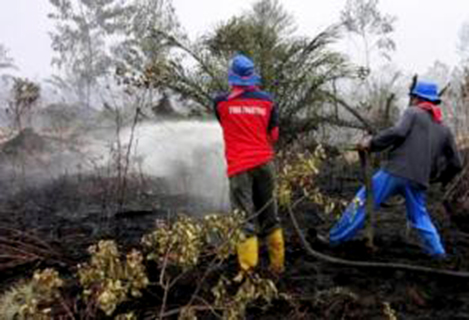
427,91
242,72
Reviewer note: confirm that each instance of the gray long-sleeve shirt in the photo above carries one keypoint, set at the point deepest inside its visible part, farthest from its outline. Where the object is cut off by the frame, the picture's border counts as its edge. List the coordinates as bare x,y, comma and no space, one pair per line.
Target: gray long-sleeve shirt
421,149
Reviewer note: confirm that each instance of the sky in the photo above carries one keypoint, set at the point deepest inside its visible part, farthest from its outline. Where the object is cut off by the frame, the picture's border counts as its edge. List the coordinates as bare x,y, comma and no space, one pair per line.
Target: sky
426,30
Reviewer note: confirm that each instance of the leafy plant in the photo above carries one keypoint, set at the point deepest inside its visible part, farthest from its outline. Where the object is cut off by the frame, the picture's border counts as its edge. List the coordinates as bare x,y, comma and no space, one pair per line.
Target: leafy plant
31,299
182,242
389,312
224,232
108,279
252,288
297,179
179,243
127,316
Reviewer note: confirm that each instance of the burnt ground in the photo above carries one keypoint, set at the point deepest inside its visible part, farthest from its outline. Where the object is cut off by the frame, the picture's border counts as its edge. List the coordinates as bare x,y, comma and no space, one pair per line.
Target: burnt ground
413,295
338,292
70,213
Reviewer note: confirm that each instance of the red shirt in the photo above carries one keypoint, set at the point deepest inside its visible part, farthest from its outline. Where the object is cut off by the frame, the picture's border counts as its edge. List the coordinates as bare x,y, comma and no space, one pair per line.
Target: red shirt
250,128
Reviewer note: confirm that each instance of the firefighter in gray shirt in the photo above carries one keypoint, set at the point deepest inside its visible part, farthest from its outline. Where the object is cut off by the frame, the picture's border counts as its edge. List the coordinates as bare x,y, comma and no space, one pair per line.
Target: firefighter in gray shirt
421,149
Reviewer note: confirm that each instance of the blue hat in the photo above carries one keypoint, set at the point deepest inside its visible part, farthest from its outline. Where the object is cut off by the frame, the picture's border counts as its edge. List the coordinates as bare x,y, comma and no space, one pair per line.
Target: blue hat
427,91
242,72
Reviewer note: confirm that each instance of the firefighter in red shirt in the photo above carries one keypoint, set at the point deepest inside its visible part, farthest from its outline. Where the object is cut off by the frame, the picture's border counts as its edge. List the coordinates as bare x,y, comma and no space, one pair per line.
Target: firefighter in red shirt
249,119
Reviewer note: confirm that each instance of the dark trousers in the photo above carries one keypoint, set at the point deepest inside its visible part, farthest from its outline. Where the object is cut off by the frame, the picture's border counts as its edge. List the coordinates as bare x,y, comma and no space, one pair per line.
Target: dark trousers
252,192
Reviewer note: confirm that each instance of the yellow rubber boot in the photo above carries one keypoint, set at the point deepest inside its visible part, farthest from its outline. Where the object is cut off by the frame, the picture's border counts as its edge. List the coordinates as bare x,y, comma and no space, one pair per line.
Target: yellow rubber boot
276,247
248,253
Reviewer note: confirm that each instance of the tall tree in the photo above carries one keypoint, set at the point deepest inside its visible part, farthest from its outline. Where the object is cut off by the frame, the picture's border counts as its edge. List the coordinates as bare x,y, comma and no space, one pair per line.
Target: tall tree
140,22
94,40
363,19
376,86
25,95
80,40
297,70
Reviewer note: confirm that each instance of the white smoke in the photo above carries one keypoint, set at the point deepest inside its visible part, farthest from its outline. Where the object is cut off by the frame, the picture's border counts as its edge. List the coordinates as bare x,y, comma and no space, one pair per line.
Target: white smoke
189,155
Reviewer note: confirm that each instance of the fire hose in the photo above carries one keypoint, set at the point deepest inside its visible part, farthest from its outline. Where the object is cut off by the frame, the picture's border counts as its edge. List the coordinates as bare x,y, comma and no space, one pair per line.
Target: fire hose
367,264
